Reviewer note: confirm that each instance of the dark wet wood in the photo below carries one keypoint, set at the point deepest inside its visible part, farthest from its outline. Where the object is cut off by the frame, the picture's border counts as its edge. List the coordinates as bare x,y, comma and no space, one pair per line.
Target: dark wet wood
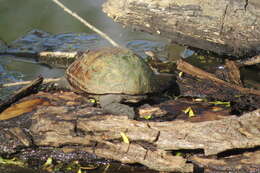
239,163
222,26
25,91
68,123
233,72
201,74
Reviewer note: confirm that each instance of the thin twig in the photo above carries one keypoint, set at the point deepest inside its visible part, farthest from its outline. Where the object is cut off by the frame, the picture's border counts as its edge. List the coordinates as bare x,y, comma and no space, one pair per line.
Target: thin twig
102,34
28,82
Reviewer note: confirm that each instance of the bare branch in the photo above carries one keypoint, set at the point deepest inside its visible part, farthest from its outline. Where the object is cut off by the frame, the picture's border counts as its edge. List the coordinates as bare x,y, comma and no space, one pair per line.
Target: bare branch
102,34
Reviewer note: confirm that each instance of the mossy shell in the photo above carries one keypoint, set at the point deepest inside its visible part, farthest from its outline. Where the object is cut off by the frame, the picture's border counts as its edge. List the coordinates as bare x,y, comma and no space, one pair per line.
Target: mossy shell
111,70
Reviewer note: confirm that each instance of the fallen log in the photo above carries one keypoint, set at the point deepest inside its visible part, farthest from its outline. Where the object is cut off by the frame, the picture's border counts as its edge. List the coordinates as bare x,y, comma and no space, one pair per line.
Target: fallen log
67,123
222,26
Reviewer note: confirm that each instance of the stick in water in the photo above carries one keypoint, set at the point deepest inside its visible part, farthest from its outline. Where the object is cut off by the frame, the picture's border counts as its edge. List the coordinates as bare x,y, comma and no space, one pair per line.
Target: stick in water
102,34
28,82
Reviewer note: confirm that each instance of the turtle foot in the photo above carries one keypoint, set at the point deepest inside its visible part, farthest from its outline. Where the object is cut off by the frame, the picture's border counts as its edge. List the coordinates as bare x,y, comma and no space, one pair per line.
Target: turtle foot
120,109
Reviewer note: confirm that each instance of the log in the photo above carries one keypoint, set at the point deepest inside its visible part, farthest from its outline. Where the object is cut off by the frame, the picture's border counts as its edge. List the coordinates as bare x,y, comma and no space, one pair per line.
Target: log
230,27
66,123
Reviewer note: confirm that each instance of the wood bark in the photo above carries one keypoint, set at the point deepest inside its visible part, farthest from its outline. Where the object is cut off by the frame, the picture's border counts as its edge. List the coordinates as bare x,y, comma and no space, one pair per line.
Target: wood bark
195,71
66,123
229,27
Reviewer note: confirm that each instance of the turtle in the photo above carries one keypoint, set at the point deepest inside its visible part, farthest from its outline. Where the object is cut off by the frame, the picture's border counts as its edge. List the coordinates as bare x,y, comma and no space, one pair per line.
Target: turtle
114,76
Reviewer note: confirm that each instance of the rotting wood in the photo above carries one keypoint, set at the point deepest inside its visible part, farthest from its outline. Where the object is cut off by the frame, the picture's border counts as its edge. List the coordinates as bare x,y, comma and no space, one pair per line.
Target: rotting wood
221,26
68,121
199,73
240,163
212,136
233,73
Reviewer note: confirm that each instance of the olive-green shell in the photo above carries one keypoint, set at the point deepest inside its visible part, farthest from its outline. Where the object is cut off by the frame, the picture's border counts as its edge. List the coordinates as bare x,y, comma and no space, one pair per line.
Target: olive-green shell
111,70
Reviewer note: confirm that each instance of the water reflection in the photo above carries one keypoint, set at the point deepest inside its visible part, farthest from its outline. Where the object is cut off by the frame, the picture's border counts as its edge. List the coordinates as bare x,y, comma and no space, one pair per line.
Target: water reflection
47,16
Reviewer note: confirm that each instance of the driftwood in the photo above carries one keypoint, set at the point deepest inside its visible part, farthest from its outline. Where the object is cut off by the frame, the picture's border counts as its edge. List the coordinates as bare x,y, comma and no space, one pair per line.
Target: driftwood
222,26
25,91
66,122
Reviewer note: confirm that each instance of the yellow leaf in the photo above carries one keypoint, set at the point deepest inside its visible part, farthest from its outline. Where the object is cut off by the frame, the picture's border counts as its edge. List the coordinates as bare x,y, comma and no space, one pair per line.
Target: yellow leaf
178,154
13,161
124,137
227,104
147,117
79,171
180,74
92,100
48,162
187,110
191,113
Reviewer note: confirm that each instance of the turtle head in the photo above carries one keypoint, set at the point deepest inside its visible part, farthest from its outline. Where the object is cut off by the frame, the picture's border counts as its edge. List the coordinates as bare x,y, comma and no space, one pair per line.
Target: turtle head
165,81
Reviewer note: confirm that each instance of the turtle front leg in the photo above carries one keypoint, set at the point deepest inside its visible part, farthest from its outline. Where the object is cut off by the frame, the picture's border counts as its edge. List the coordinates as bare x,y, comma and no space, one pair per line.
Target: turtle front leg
111,104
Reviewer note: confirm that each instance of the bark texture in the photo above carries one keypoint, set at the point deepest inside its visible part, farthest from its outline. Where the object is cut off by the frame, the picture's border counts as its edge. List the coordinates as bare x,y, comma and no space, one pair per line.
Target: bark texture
223,26
64,122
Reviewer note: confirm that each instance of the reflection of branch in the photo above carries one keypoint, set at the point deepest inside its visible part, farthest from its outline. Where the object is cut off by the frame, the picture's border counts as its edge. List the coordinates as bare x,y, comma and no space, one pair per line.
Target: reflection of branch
102,34
28,82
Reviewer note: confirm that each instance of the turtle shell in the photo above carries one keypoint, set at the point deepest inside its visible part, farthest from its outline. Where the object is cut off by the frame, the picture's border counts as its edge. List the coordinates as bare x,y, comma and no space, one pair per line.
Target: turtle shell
111,70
